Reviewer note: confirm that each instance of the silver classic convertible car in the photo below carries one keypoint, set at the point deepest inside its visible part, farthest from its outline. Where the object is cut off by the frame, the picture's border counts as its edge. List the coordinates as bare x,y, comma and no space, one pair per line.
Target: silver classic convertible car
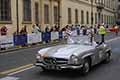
79,53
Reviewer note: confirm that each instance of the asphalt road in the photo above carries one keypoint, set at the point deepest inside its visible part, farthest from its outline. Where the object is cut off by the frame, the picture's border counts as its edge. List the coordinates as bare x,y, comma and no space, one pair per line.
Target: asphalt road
18,64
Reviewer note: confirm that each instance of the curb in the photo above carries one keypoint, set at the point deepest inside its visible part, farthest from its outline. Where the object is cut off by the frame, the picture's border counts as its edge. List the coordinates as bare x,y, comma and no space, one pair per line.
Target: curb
9,50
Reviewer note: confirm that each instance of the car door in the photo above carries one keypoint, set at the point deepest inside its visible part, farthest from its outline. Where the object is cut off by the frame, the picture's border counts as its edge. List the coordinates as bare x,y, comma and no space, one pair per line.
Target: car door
99,52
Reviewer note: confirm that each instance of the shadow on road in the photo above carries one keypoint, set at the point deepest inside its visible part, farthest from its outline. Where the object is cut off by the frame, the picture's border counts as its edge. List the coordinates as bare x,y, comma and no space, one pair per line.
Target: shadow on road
71,73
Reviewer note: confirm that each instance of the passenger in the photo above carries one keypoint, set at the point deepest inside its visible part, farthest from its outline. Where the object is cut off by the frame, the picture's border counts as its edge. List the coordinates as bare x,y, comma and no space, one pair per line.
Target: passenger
91,34
68,34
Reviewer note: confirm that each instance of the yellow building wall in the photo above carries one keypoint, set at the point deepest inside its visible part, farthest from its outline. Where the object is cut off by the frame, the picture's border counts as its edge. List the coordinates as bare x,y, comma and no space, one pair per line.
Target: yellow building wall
11,26
65,4
75,5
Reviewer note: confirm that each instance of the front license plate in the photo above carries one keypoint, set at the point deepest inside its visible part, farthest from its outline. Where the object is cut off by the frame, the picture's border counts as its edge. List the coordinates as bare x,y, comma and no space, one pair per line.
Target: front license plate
51,67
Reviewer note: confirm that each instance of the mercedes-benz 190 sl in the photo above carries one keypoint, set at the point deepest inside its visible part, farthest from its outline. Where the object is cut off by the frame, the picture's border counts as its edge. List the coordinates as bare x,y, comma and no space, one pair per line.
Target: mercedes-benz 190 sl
81,54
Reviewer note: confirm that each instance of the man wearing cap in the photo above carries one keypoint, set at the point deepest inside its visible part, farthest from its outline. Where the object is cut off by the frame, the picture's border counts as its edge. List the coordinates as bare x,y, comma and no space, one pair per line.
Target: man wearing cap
102,32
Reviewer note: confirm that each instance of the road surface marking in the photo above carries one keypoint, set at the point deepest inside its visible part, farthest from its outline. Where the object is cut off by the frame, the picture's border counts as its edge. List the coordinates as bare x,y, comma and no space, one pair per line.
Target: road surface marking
113,39
16,69
22,70
9,78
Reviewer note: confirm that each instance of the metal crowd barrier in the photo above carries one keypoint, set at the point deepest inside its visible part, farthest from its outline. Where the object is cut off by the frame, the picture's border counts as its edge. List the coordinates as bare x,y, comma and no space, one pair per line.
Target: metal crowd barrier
33,38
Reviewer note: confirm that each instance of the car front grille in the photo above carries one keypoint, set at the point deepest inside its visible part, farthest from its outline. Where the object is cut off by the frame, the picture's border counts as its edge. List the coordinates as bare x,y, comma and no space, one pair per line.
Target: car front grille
55,61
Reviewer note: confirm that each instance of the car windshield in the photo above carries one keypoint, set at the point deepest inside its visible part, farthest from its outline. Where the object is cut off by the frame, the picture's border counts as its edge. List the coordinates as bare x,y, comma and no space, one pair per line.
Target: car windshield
82,40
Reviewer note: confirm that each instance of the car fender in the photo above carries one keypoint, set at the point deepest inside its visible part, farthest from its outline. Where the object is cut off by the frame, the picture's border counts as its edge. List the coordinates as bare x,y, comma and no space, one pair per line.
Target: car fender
87,55
107,50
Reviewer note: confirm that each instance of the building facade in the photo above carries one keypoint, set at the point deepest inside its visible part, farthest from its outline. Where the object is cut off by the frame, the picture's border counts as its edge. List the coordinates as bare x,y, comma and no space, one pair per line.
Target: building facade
18,13
118,10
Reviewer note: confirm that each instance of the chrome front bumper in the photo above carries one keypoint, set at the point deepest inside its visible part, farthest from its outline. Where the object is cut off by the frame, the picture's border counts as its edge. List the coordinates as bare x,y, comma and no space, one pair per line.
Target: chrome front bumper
58,67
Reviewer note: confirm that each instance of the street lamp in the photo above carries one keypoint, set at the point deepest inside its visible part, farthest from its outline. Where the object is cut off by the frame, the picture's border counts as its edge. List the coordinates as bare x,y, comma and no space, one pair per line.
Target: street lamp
59,13
114,10
91,34
17,17
92,13
100,7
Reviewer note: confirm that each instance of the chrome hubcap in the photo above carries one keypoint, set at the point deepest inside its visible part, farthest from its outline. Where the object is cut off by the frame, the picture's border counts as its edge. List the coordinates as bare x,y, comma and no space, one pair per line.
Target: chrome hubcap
86,66
108,57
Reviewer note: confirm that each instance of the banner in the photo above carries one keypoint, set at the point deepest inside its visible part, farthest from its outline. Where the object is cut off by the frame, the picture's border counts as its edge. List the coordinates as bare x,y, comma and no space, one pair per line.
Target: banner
34,38
46,36
74,33
20,40
6,41
54,35
60,35
64,34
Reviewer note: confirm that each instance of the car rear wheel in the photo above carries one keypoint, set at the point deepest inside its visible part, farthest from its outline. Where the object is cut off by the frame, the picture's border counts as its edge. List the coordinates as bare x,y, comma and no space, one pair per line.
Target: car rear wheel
86,66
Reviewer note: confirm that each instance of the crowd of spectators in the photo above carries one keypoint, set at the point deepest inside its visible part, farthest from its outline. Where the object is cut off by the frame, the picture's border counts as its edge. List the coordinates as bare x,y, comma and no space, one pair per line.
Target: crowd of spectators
36,28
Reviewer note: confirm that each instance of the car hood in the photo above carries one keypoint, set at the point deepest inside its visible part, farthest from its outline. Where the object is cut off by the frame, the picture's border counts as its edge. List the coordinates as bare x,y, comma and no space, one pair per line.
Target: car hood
64,51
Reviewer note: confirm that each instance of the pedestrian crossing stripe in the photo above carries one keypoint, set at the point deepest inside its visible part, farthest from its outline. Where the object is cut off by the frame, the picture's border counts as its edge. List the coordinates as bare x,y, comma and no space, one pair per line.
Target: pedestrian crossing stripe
10,78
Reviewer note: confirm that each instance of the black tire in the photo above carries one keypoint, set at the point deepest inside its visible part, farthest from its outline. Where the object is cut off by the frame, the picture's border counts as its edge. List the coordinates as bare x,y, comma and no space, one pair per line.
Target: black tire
86,66
108,57
44,69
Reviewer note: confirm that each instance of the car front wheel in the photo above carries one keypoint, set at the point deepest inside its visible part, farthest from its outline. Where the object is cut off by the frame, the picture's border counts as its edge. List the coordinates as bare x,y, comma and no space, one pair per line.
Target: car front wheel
86,66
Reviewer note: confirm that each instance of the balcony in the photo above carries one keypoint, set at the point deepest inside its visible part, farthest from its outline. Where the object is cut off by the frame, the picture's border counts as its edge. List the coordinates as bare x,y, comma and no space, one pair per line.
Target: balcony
100,5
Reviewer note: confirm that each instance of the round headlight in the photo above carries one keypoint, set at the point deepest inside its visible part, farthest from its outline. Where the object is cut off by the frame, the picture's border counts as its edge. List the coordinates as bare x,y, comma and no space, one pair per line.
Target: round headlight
39,57
74,59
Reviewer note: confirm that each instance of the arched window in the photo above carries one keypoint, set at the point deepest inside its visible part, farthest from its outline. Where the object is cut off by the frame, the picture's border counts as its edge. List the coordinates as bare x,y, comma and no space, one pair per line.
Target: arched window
26,10
69,16
55,14
46,14
96,18
87,17
82,17
5,10
76,16
36,13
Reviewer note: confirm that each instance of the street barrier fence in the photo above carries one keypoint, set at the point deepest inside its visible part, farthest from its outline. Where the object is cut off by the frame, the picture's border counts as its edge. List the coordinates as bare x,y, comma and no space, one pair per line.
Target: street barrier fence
54,35
61,35
46,36
28,39
6,41
34,38
20,40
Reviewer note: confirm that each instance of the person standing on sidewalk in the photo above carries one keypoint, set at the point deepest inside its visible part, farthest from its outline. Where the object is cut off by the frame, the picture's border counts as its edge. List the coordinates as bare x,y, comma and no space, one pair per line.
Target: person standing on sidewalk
116,30
102,32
